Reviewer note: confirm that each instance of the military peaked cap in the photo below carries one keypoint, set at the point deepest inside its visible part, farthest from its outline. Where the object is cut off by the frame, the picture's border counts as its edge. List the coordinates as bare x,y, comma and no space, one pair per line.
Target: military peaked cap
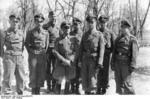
103,19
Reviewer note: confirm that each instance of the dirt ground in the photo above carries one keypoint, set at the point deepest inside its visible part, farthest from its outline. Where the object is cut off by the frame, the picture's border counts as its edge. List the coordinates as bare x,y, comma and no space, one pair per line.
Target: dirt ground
141,77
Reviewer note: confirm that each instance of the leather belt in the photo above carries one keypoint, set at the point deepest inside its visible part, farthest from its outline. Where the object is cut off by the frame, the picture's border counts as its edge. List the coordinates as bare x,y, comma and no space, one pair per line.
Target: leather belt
17,53
89,53
122,54
38,51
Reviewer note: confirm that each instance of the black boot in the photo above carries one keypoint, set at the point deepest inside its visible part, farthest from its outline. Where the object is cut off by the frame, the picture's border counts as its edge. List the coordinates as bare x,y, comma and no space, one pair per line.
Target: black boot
103,91
87,93
57,88
67,86
48,88
99,91
33,91
73,88
20,92
37,92
77,89
53,85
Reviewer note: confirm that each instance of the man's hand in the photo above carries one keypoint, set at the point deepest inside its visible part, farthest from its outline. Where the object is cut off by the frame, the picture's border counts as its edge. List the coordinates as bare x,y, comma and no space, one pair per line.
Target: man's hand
67,63
131,69
100,66
112,66
53,51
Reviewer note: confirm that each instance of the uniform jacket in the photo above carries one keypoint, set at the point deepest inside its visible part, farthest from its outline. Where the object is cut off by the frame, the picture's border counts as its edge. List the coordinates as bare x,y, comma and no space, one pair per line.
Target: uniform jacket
92,42
76,40
13,40
37,40
127,45
53,33
64,48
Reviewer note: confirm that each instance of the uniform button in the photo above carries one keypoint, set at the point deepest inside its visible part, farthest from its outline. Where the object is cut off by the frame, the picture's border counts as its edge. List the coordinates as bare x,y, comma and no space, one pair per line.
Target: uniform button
120,53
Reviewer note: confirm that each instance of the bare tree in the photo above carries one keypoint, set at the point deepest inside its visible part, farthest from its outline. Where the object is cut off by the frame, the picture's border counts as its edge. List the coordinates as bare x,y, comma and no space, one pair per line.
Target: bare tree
137,16
27,9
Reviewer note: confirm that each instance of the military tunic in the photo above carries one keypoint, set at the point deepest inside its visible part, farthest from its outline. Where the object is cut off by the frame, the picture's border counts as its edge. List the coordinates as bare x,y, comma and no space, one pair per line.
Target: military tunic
91,54
53,33
37,43
124,62
64,48
13,59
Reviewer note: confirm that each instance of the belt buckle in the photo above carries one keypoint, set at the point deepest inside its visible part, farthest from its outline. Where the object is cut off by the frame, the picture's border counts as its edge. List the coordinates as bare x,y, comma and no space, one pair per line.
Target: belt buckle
120,53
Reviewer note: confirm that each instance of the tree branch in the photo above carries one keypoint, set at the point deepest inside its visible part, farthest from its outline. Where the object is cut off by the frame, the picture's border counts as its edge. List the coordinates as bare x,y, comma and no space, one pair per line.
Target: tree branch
49,5
146,15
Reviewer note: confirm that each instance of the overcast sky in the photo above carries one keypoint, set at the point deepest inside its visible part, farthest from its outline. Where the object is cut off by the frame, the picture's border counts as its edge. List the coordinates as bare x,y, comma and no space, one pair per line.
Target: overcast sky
4,5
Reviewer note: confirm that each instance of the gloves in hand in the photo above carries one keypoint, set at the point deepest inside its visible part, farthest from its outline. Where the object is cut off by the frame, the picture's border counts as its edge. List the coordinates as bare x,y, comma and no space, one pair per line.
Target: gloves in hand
131,69
67,62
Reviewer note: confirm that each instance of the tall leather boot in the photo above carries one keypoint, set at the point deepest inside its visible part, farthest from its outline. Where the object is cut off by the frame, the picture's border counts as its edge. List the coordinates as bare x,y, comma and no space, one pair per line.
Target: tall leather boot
67,86
33,91
72,87
37,92
103,91
57,88
98,92
53,84
77,88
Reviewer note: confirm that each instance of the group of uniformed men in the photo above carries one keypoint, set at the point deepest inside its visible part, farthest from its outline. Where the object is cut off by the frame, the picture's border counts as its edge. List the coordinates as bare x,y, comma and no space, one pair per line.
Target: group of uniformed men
64,59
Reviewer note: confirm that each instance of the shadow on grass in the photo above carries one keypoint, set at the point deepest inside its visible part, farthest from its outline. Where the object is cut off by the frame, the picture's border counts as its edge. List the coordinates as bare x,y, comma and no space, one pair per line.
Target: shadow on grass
143,70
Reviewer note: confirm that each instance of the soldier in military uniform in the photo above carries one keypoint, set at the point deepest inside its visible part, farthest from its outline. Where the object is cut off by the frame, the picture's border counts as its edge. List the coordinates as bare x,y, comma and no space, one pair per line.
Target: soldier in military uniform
91,55
64,70
103,75
37,41
124,59
53,34
12,57
75,37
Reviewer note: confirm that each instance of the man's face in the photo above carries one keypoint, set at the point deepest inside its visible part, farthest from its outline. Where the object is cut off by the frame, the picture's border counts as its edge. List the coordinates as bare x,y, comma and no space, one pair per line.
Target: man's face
14,23
66,30
102,25
52,19
91,24
124,30
38,22
76,26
